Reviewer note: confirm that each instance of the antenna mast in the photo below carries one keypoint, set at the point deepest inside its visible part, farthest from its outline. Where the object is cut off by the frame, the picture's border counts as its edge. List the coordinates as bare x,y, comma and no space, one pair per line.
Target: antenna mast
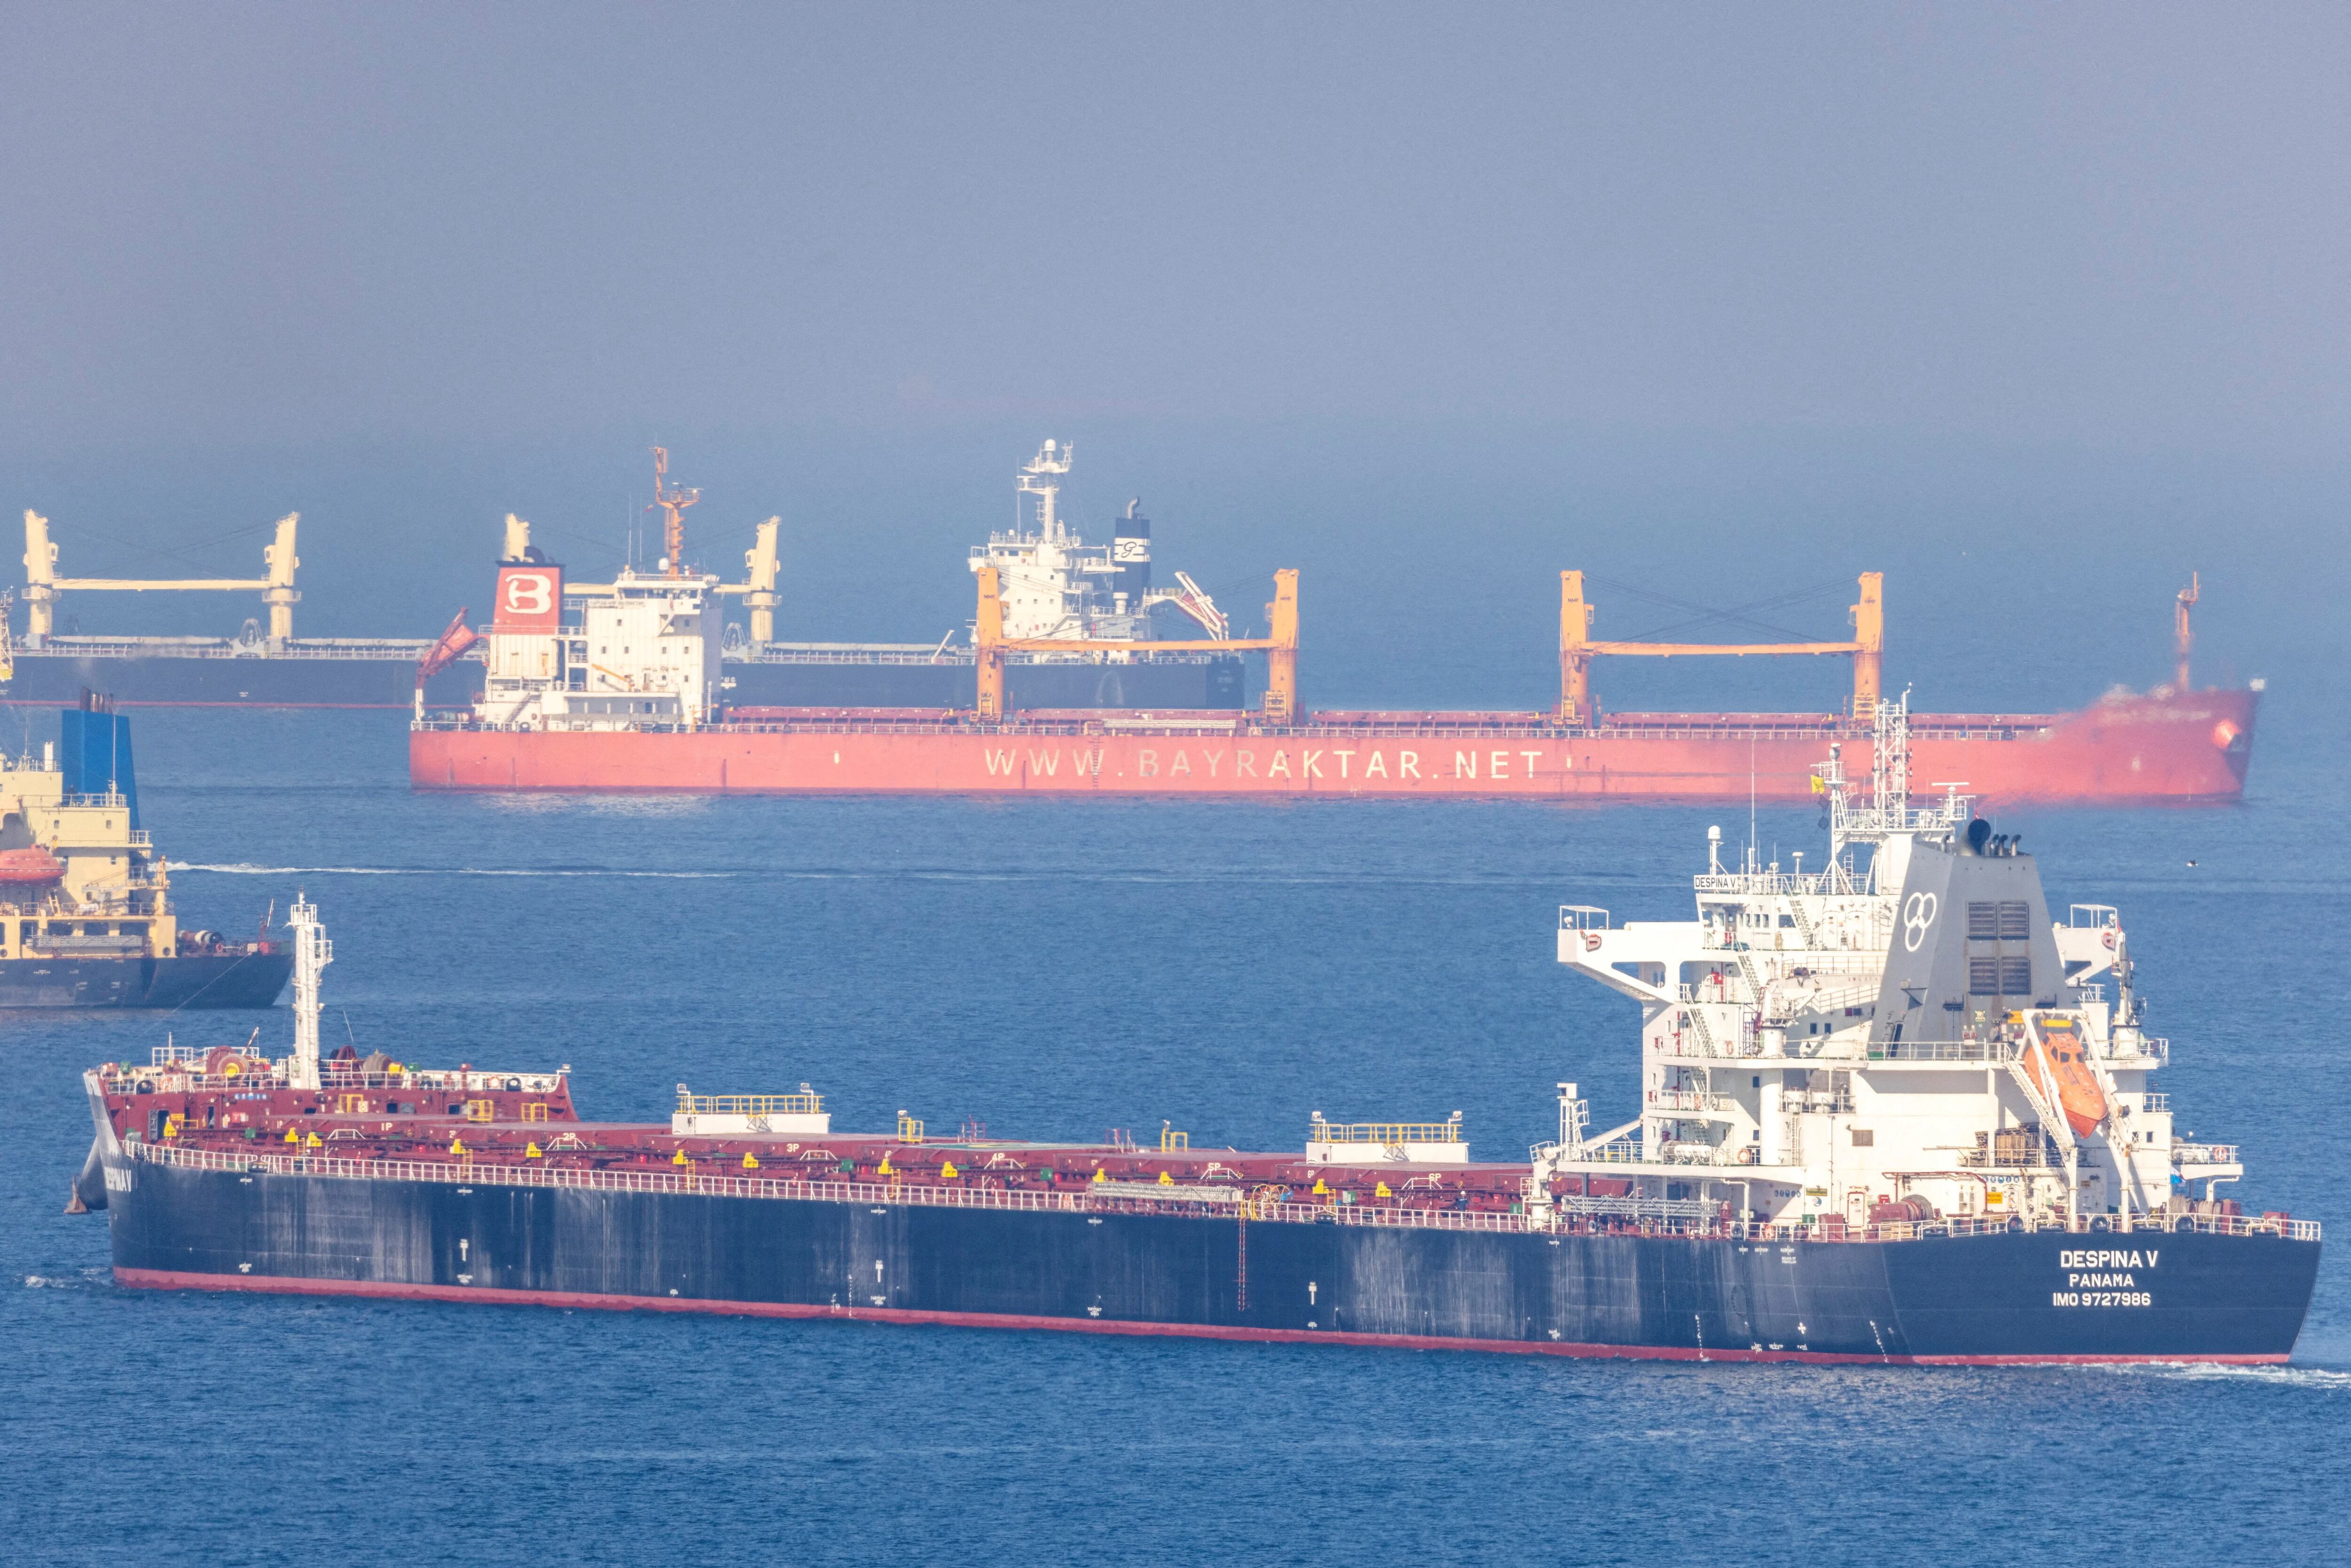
1041,476
672,500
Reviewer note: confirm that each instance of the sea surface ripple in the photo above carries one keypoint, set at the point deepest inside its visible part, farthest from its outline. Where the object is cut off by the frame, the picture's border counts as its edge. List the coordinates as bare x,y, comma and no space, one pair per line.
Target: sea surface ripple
1059,968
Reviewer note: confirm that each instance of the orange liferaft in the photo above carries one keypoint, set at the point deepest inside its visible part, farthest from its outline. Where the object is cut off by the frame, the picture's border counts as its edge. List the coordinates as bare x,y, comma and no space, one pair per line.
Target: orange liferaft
33,865
2058,1055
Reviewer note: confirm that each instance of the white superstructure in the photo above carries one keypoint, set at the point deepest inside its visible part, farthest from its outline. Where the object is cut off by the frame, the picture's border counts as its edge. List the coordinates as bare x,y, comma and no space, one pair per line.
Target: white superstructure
1902,1027
641,651
1055,585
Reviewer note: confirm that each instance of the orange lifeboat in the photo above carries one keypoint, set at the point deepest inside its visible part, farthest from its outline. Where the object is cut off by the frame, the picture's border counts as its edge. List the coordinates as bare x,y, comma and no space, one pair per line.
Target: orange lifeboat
2058,1055
29,867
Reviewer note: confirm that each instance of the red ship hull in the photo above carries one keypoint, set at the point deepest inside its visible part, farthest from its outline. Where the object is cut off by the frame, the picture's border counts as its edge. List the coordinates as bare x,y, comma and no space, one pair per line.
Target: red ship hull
2157,750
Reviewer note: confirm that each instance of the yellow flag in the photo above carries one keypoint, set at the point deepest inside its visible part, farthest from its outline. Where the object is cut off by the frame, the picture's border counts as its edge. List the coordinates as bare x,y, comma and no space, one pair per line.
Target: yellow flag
311,1142
1166,1180
679,1158
884,1168
293,1134
531,1152
1319,1190
947,1171
1382,1191
1101,1175
748,1163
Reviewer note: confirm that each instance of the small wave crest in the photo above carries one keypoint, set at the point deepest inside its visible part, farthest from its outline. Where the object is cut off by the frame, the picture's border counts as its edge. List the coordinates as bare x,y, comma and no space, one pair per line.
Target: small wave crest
61,1282
2288,1377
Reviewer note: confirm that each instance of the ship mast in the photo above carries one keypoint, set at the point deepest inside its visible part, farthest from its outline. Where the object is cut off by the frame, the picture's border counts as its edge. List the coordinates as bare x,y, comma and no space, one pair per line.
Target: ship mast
2182,638
312,953
1888,813
672,500
1041,477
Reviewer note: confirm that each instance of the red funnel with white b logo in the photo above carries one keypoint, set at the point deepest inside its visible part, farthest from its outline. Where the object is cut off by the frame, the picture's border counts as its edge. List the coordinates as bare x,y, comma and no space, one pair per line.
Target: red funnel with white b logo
530,598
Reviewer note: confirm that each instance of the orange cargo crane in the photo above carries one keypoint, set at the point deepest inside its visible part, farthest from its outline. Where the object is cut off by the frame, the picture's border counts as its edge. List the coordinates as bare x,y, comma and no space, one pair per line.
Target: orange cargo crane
1281,646
1577,650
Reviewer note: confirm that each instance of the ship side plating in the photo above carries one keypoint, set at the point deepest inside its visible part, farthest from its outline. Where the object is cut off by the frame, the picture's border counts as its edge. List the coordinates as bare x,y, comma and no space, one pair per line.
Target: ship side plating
1977,1300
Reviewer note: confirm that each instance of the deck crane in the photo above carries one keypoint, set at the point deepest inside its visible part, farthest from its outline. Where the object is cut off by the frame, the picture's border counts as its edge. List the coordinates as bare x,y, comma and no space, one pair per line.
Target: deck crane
757,591
1577,650
44,587
445,651
1193,600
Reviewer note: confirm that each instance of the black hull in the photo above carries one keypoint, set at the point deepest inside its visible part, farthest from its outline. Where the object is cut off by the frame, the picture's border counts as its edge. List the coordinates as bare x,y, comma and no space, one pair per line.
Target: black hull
1992,1299
1215,684
261,681
252,980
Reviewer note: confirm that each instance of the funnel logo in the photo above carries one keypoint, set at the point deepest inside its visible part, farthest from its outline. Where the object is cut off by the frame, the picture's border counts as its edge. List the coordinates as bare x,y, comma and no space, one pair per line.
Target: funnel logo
531,598
528,593
1918,914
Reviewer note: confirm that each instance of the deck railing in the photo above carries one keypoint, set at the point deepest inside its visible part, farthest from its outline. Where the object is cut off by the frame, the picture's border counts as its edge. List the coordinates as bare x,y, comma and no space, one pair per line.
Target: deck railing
801,1104
183,1074
1944,1050
1384,1133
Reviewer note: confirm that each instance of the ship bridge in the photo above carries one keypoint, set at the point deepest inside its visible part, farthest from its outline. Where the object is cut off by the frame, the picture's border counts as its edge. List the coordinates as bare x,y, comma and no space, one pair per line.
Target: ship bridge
1902,1026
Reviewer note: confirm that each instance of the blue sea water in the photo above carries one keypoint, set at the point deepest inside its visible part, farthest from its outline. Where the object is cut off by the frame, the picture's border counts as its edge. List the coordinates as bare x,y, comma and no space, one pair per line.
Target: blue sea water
1059,968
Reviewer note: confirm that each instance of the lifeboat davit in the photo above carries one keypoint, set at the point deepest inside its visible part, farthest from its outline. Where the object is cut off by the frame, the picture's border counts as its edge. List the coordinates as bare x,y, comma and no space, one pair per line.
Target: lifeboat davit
27,867
2058,1055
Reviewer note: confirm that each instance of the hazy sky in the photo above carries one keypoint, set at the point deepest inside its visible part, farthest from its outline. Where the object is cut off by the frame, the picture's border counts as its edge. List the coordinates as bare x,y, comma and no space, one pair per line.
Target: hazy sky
1882,267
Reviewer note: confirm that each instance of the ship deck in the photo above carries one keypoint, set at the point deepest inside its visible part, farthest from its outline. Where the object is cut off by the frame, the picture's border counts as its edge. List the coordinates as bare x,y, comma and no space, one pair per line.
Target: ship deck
1437,725
471,1127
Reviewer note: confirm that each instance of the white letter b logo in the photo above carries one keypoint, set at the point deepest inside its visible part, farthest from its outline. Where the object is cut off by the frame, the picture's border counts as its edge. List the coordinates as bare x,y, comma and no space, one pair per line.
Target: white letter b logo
528,593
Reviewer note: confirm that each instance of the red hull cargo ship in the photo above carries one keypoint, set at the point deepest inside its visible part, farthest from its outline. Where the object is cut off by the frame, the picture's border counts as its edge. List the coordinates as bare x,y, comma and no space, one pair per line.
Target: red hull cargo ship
627,694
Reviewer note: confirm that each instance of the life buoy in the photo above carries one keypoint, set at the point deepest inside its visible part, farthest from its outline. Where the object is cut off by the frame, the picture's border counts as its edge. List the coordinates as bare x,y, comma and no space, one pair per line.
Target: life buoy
2110,936
1591,941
